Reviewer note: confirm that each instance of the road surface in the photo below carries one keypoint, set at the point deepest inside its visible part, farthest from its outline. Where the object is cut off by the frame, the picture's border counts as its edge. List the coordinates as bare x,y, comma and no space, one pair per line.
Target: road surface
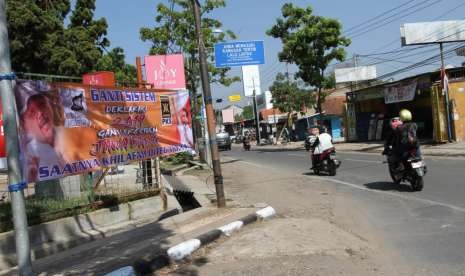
425,229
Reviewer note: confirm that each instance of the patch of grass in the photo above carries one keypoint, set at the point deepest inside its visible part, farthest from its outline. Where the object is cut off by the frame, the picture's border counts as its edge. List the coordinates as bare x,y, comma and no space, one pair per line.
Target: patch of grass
167,166
40,210
178,158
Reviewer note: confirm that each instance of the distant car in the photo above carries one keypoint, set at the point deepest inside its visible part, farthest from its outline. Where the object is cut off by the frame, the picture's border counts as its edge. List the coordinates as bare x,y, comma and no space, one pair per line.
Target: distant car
223,140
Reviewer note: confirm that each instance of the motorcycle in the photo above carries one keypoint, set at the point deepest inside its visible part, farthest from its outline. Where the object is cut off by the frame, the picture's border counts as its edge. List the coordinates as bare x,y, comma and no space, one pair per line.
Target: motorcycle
308,144
412,170
246,144
327,162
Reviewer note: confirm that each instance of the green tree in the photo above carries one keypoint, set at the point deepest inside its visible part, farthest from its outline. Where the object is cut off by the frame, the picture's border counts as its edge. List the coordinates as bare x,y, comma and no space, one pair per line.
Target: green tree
34,28
238,118
290,97
84,40
247,114
125,74
41,43
311,42
174,32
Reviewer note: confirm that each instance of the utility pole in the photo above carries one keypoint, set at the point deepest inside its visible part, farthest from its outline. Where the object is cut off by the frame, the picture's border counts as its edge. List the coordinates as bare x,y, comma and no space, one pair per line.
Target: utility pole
355,65
146,164
207,98
256,115
15,183
446,94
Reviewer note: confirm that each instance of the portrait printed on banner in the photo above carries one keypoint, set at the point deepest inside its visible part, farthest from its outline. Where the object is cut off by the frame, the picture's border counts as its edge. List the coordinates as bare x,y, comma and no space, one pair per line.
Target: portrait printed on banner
75,108
41,125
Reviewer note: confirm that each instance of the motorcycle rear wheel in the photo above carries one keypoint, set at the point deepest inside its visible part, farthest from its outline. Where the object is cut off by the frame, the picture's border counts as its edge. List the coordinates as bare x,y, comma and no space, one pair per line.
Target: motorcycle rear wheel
332,168
393,176
417,183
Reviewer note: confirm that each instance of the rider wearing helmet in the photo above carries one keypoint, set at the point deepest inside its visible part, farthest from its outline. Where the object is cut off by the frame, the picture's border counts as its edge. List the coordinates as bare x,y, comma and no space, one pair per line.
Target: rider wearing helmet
392,138
408,135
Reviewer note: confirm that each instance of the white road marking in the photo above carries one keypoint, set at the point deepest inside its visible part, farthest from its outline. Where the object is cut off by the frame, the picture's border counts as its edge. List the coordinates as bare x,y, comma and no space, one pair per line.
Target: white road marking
363,161
254,164
358,187
298,155
403,196
362,188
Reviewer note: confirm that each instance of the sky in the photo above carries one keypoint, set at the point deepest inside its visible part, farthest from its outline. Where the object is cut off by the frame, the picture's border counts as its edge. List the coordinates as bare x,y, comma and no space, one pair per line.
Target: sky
373,27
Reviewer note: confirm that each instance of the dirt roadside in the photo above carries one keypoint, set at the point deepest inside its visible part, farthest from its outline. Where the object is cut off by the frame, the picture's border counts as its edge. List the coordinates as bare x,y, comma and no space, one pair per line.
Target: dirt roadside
318,231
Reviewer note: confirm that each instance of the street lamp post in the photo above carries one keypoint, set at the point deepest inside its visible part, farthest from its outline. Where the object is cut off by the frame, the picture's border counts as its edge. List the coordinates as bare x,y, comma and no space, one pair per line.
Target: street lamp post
207,98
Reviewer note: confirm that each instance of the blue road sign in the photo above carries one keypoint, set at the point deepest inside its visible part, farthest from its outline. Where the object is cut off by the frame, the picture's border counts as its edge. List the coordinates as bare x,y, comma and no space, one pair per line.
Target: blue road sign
239,53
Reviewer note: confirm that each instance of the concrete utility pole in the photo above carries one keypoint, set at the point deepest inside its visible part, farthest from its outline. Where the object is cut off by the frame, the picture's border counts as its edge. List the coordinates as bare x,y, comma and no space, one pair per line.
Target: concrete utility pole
146,164
15,183
207,98
446,95
256,115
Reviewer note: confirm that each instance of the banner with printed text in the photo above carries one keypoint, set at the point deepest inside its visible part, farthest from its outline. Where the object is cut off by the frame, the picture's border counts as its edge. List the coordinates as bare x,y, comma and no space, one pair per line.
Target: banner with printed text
402,92
68,129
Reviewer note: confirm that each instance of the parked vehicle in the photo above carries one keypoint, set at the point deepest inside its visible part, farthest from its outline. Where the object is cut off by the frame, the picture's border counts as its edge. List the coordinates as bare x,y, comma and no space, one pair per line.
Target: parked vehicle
411,170
326,162
223,140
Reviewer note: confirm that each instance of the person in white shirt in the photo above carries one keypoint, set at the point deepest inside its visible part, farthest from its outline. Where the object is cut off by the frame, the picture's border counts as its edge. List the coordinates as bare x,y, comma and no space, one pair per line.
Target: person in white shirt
322,143
325,141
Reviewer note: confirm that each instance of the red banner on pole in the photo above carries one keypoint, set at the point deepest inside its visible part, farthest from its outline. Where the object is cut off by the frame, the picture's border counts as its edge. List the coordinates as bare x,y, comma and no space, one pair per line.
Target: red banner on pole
99,78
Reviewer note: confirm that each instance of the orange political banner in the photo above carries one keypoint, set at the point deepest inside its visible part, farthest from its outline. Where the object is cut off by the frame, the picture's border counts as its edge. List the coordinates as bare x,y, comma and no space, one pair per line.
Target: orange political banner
68,129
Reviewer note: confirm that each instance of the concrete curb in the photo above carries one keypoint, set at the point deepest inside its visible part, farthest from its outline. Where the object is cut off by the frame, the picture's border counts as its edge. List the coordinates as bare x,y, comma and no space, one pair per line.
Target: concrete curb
182,250
62,234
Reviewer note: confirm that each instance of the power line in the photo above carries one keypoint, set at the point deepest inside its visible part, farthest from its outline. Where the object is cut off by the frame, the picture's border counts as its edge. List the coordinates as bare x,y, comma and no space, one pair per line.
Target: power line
382,19
377,26
432,19
422,63
377,17
398,51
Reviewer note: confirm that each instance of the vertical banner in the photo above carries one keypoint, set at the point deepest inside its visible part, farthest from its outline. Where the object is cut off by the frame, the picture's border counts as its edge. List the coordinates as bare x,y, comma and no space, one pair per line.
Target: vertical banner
70,129
251,80
351,122
165,72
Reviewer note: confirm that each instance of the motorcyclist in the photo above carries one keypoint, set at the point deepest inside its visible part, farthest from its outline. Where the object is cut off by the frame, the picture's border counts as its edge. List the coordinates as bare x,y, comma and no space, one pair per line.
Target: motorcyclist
402,140
246,140
392,137
408,135
313,141
323,142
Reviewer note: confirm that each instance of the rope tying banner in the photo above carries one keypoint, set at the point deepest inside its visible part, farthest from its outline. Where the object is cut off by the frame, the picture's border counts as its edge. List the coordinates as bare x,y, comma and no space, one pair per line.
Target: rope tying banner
17,187
7,76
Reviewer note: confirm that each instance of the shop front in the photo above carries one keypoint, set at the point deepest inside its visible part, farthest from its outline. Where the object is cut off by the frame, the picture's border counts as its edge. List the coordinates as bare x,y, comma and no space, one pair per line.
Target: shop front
369,110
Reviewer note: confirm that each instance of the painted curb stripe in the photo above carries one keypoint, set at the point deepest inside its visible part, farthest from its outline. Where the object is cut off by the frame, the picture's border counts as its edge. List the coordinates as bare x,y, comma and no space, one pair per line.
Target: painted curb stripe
249,219
184,249
228,229
209,236
266,212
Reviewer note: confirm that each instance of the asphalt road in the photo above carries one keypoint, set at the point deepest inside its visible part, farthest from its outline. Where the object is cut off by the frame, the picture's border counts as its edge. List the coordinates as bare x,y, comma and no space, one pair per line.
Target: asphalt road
425,229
